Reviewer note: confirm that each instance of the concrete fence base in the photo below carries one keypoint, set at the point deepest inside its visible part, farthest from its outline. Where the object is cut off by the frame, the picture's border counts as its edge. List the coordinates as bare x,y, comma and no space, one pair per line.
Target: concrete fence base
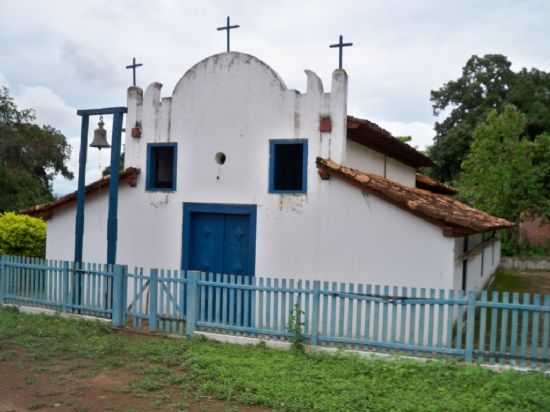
533,263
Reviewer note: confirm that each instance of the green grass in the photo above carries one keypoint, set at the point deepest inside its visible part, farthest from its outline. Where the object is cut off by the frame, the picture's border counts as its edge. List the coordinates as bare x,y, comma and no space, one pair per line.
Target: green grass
284,381
506,280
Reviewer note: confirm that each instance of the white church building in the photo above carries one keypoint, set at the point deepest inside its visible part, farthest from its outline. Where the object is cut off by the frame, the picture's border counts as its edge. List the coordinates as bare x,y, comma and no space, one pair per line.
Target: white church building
235,173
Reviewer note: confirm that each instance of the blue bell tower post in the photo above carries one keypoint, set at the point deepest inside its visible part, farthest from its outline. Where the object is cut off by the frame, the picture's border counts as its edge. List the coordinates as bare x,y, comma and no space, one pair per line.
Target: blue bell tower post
112,221
118,114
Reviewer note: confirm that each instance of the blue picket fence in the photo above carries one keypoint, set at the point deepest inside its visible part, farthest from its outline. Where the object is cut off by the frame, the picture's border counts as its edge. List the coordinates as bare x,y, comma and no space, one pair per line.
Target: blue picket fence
503,328
87,289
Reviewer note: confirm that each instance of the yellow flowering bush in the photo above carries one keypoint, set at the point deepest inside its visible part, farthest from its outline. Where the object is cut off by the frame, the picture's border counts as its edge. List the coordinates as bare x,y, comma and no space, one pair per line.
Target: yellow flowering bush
22,235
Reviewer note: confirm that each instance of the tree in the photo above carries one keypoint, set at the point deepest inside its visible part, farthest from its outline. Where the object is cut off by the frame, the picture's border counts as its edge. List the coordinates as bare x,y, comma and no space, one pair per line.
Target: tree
487,83
30,157
499,175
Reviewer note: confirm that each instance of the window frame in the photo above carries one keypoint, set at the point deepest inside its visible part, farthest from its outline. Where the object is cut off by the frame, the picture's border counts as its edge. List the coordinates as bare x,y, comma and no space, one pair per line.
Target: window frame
272,144
149,178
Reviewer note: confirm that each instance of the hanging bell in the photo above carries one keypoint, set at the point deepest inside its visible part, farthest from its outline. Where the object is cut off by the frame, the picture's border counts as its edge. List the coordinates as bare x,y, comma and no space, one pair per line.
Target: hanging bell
100,136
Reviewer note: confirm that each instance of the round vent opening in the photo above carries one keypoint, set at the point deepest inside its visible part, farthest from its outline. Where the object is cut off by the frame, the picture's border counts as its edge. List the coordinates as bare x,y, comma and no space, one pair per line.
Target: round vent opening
220,158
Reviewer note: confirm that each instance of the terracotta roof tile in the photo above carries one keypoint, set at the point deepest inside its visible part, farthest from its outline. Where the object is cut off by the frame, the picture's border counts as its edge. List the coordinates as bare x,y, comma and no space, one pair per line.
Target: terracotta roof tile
46,210
375,137
454,217
427,183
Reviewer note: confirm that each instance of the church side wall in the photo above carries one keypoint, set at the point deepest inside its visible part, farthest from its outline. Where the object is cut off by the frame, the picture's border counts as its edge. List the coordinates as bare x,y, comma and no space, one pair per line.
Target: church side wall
368,160
366,239
400,172
365,159
480,267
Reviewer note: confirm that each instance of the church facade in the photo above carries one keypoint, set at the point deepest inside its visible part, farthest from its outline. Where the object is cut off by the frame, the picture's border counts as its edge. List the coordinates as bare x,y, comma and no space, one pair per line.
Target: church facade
235,173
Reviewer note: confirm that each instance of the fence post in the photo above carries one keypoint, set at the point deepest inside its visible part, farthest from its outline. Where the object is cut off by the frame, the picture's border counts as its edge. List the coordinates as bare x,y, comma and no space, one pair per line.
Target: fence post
192,302
65,290
118,290
470,327
2,279
124,296
315,312
153,296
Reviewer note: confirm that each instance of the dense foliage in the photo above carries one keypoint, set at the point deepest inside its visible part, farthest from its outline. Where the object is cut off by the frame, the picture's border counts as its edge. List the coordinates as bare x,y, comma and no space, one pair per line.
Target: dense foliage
499,173
22,235
30,157
487,83
160,369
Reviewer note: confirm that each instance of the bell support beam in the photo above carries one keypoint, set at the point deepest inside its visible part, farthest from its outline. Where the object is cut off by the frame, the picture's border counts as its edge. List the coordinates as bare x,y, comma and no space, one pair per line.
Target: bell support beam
106,110
112,220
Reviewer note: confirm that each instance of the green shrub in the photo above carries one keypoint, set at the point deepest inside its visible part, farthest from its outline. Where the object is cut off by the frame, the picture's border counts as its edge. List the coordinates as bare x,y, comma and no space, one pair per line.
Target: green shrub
22,235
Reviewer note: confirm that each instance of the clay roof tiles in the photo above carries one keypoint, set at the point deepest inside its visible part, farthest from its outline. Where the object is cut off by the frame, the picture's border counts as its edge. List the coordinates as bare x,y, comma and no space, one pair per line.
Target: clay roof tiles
375,137
46,210
454,217
427,183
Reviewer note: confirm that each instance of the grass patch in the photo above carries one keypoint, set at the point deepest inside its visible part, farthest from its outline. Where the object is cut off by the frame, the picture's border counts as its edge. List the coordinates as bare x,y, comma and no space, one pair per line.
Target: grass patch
284,381
506,280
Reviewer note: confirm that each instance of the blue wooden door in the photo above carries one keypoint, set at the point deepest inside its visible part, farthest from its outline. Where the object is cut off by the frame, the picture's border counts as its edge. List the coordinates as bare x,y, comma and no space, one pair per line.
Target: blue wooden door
220,243
236,242
206,242
219,238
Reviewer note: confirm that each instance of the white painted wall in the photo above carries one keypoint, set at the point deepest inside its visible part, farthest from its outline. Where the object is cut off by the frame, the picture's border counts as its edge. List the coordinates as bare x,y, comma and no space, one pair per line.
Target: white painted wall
234,103
480,267
368,160
400,172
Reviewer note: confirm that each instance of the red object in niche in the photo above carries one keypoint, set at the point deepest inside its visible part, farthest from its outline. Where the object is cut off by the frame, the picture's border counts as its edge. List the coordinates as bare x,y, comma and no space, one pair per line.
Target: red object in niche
325,124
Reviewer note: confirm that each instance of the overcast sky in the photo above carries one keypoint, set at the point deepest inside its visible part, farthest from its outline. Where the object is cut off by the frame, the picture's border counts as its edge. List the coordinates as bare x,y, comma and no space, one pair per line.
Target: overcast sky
57,56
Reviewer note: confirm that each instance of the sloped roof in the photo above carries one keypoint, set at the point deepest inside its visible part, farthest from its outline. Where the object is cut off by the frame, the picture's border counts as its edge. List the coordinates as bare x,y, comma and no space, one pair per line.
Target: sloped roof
375,137
427,183
46,210
454,217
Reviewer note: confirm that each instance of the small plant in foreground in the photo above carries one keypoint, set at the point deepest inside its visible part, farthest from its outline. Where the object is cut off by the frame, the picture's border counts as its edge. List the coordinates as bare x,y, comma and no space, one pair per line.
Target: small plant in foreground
296,329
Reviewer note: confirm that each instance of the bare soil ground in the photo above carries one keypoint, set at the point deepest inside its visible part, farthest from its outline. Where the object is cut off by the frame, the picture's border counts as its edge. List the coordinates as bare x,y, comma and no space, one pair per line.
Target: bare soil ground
79,386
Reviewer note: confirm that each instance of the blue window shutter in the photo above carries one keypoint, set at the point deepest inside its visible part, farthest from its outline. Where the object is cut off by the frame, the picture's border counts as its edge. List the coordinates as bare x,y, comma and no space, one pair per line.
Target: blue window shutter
152,163
273,143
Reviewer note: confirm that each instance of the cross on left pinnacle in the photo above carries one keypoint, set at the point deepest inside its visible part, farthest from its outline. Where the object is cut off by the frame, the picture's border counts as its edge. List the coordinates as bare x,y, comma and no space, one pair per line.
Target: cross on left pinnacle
133,66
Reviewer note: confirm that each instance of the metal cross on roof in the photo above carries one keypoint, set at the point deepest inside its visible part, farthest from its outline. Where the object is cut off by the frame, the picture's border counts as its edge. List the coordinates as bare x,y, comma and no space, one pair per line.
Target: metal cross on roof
133,66
340,46
228,27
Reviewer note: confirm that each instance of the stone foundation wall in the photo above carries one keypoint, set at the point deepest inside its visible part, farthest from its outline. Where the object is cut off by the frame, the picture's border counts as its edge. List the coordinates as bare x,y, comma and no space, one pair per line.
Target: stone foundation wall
542,263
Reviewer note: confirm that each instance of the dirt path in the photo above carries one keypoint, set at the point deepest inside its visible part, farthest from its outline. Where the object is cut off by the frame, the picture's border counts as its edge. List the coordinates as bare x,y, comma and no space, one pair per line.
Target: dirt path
73,386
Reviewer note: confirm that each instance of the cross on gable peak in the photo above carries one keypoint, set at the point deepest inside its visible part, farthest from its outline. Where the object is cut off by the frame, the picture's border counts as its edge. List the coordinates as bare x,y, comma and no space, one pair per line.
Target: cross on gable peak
228,27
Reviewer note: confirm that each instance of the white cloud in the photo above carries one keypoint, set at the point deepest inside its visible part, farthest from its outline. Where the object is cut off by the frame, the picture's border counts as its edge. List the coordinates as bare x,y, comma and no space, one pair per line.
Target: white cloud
4,81
49,107
422,133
